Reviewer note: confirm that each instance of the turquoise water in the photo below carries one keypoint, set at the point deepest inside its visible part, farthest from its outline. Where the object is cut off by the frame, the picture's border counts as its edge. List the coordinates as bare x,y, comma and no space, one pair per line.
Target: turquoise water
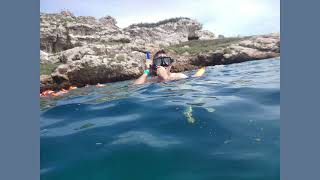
224,125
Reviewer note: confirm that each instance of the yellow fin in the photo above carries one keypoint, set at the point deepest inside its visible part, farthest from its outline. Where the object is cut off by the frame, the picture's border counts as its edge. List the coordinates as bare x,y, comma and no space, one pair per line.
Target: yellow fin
200,72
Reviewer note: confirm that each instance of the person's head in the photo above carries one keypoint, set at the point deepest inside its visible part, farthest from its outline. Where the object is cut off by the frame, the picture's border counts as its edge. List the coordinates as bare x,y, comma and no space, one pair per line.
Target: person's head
163,60
160,53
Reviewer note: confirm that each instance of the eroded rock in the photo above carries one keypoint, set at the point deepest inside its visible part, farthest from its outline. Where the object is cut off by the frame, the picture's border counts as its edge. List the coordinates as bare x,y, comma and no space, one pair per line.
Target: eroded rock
98,51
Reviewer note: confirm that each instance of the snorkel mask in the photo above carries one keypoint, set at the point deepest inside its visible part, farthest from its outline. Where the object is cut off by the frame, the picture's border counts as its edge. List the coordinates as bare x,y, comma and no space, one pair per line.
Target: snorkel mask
162,61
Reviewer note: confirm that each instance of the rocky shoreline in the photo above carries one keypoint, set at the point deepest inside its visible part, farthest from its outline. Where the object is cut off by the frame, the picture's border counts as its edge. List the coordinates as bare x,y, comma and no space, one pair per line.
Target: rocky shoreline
84,50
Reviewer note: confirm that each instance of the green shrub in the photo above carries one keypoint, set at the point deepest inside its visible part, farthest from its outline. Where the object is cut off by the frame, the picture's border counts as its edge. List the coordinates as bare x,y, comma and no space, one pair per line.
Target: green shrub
227,51
150,25
198,46
47,69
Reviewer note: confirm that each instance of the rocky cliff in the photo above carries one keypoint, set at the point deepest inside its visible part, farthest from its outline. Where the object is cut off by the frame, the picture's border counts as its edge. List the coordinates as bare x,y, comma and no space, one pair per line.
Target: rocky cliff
91,51
190,56
60,32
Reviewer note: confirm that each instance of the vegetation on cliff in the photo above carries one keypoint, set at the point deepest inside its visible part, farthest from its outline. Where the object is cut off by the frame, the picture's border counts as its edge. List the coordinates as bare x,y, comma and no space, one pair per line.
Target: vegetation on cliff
151,25
47,69
202,46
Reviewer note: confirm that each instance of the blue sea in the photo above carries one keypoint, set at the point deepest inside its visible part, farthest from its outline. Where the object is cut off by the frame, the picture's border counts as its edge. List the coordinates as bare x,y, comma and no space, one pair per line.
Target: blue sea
224,125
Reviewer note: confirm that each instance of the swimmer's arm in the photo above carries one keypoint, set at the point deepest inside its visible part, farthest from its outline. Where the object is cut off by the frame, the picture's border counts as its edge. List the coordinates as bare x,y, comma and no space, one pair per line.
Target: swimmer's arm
177,76
182,76
142,79
199,73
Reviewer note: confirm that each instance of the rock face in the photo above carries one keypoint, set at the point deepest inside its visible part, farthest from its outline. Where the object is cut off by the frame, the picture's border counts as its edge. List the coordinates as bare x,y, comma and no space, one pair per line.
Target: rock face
254,48
46,83
97,51
44,57
167,32
59,32
257,47
93,69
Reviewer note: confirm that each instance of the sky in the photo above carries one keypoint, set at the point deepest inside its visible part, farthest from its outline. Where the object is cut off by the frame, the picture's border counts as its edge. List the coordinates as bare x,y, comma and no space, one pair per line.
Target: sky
226,17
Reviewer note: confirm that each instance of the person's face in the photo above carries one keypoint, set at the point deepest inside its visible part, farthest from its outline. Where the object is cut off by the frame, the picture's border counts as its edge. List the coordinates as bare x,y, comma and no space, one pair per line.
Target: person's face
162,55
162,70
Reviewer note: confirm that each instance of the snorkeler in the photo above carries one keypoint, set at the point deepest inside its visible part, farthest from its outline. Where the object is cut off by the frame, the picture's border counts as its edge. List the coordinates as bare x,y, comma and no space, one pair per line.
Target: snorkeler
160,67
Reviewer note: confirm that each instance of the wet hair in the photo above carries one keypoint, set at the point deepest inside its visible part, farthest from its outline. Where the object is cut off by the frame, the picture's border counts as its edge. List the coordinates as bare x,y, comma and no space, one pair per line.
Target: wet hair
159,52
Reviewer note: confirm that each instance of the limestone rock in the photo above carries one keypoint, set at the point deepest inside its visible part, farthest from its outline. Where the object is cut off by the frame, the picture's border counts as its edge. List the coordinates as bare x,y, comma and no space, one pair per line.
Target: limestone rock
98,51
167,32
254,48
74,54
44,57
46,83
92,69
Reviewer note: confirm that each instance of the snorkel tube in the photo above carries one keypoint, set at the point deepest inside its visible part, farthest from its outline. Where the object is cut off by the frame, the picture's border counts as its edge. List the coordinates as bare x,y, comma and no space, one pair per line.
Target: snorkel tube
148,55
147,71
148,58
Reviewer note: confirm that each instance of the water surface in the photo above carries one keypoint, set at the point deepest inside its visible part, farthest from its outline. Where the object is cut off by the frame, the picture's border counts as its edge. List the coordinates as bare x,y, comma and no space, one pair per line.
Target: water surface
224,125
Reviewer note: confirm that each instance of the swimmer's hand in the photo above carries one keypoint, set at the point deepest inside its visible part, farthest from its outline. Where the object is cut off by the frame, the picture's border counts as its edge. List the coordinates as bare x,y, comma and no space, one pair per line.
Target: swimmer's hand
200,72
148,64
162,73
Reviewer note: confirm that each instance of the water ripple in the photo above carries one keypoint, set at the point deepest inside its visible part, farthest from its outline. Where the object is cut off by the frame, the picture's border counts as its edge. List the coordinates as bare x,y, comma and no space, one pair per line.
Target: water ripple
224,125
